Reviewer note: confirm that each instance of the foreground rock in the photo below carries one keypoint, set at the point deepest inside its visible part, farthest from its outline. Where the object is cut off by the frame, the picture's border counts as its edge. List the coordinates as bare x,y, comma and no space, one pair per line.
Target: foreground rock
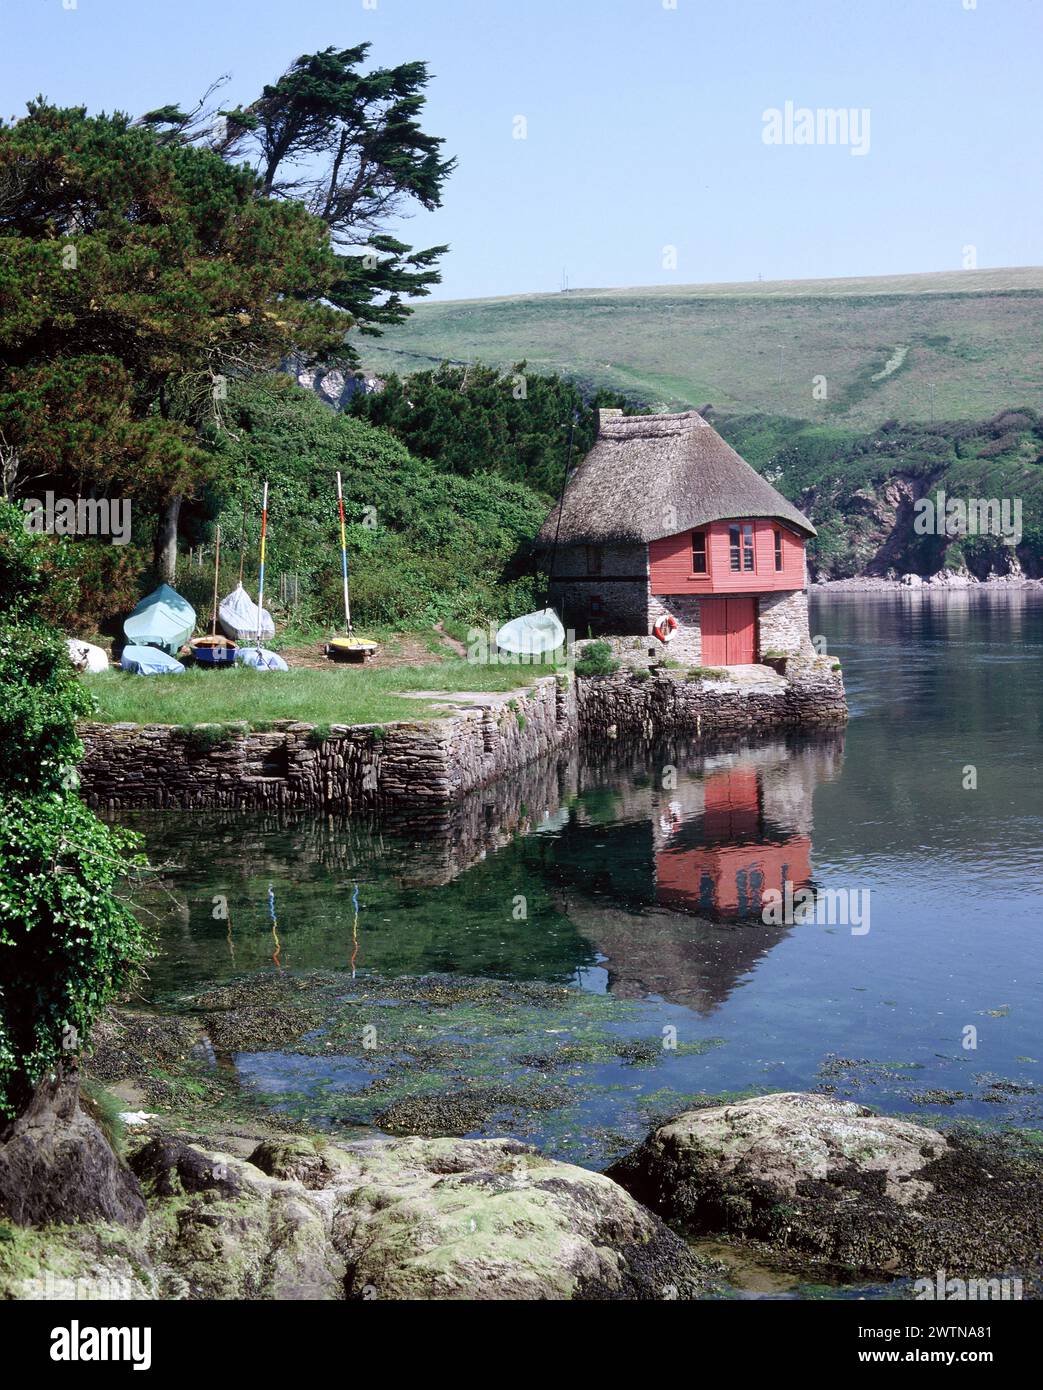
404,1219
864,1193
56,1165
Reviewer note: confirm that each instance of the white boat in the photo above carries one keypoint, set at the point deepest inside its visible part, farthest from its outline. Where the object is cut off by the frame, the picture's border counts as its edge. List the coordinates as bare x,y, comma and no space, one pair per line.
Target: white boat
533,634
240,617
85,656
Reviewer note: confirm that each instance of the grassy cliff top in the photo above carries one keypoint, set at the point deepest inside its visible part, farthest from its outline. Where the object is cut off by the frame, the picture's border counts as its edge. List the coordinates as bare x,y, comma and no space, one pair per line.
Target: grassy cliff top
949,345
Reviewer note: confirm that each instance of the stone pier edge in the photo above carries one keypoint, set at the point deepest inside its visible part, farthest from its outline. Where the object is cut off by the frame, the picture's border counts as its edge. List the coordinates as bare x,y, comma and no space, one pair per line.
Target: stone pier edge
431,764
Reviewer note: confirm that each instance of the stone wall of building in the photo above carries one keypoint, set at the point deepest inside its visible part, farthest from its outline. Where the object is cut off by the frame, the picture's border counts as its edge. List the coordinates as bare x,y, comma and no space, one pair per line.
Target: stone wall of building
620,589
686,645
783,623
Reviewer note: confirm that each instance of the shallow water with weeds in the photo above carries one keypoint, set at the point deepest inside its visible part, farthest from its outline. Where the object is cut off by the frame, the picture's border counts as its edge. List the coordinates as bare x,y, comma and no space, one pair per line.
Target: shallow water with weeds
576,963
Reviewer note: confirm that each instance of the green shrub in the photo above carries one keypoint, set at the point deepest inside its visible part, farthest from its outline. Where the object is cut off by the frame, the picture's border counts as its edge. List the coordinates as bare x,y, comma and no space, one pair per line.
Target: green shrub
706,673
424,545
67,943
597,660
203,738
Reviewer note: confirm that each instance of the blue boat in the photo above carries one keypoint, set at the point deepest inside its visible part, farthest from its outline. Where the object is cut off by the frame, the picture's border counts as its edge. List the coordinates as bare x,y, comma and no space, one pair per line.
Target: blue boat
260,659
213,651
163,619
150,661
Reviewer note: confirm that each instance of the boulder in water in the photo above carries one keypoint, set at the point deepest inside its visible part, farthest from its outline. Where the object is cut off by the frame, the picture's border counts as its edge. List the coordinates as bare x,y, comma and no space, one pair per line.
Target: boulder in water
861,1192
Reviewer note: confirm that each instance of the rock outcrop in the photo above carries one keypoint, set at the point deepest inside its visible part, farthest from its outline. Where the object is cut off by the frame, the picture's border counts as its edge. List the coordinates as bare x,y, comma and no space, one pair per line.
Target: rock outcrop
864,1193
401,1219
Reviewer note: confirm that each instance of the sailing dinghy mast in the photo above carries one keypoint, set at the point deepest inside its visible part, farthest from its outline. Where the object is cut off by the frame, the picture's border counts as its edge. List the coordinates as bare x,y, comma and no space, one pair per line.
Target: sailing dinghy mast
349,646
344,555
260,581
217,574
213,650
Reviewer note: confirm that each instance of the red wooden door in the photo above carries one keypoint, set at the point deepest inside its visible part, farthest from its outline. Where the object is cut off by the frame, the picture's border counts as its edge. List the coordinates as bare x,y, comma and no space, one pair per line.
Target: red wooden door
728,631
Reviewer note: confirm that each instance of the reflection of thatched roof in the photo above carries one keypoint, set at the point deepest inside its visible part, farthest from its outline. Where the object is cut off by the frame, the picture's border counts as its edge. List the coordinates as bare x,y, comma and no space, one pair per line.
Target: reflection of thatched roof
649,476
685,959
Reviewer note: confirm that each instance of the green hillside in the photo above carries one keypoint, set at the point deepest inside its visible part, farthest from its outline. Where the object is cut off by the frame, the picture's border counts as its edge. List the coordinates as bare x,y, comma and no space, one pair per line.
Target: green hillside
955,345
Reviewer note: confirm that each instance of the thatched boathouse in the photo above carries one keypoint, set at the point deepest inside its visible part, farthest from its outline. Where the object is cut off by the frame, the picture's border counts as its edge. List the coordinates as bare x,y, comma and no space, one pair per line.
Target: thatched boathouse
666,532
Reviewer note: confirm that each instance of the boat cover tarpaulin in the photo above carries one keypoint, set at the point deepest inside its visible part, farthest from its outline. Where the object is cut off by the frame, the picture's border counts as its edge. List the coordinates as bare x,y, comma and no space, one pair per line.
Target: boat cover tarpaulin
85,656
238,616
162,619
260,659
533,634
150,661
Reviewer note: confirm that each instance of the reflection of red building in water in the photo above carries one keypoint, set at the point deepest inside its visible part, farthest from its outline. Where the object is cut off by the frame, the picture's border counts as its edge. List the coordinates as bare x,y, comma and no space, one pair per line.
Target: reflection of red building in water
720,864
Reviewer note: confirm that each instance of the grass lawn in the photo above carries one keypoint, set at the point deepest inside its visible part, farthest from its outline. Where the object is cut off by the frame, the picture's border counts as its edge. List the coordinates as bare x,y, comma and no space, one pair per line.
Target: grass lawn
342,695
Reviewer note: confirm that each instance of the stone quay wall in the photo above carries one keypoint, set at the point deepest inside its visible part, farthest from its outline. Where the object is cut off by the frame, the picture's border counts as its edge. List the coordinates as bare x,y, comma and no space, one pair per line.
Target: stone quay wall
811,694
351,768
424,766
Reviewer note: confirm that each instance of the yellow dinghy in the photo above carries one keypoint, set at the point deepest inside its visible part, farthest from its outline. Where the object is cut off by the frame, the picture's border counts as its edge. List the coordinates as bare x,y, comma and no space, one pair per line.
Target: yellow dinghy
349,647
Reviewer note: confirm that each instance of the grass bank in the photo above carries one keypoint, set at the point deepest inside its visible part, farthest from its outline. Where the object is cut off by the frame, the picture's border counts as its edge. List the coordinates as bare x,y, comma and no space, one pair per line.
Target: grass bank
341,695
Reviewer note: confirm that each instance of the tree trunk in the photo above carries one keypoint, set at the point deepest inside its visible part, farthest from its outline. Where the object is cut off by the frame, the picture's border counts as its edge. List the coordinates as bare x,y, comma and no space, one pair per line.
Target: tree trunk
166,540
56,1165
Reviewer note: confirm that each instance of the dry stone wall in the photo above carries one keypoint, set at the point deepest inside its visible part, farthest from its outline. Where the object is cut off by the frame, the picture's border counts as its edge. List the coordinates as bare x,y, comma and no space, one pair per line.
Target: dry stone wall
662,702
356,769
422,767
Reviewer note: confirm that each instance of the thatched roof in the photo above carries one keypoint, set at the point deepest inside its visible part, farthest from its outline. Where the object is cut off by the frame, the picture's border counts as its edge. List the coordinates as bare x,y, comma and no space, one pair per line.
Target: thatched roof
649,476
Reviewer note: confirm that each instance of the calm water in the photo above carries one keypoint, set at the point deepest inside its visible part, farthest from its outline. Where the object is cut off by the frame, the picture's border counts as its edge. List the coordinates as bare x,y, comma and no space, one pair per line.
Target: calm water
636,880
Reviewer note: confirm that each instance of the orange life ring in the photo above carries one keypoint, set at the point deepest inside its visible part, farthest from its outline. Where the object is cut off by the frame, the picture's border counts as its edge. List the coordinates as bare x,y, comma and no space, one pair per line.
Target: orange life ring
665,628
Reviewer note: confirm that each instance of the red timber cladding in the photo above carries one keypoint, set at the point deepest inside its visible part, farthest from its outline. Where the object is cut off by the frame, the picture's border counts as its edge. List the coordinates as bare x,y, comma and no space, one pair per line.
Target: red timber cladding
730,872
670,561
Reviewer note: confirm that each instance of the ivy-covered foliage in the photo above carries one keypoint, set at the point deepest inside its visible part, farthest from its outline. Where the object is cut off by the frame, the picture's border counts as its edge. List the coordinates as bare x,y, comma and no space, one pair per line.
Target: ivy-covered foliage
66,942
840,478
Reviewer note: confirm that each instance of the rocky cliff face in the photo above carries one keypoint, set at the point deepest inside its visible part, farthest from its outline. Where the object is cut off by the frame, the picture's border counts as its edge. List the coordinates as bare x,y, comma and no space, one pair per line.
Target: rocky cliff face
869,531
334,387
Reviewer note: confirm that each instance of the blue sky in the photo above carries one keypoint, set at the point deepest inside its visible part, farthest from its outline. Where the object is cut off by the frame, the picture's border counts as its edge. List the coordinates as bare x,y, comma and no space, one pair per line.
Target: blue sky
644,123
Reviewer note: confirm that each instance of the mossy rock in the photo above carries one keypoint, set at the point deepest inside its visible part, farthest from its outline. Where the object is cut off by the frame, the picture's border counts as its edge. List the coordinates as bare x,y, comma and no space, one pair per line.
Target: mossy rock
863,1193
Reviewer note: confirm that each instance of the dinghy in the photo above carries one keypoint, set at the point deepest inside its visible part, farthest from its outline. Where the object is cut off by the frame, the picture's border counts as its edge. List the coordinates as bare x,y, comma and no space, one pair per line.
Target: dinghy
85,656
150,661
163,619
350,647
214,650
260,659
241,619
532,635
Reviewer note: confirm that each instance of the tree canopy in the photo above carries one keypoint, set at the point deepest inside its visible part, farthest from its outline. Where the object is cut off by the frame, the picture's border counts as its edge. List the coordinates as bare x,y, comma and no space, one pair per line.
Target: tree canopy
135,279
477,419
348,145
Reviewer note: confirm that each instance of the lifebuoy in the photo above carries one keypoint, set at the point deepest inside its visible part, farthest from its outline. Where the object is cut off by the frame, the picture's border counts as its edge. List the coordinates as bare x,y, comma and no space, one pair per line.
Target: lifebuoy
665,628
